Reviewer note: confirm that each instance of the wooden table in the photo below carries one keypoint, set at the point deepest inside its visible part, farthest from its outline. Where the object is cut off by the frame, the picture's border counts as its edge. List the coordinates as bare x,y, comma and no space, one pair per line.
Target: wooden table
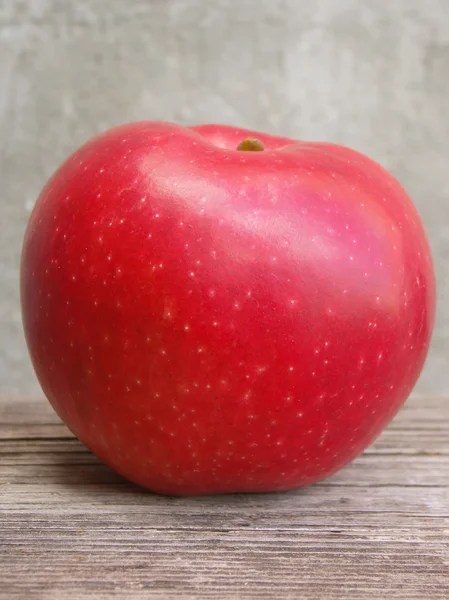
72,529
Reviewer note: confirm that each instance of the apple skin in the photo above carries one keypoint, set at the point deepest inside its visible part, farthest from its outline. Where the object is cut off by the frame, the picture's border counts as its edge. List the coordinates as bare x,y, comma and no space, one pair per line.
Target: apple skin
209,320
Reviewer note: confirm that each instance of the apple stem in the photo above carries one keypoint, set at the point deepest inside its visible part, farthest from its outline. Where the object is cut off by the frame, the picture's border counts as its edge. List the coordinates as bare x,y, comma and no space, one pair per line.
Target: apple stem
251,145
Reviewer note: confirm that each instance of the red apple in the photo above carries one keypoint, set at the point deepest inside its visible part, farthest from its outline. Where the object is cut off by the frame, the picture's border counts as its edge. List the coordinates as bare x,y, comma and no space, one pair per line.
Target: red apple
208,319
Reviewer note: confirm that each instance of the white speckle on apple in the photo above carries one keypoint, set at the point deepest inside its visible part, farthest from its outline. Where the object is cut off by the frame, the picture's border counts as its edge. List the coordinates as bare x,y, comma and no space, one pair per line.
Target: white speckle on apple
291,369
186,327
200,350
211,293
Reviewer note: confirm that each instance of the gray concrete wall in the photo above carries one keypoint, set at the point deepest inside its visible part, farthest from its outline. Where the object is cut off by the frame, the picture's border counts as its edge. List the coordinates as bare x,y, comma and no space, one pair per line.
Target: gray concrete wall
372,74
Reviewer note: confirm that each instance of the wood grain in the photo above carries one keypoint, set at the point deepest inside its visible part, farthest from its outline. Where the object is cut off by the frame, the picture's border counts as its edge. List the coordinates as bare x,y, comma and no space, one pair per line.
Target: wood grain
71,529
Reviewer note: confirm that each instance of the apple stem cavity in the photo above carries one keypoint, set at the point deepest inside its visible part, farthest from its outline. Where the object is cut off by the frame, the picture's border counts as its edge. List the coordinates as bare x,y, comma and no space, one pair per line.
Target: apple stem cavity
251,145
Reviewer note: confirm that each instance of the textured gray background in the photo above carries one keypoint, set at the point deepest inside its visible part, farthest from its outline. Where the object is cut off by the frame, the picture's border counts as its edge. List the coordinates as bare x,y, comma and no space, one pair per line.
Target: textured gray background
372,74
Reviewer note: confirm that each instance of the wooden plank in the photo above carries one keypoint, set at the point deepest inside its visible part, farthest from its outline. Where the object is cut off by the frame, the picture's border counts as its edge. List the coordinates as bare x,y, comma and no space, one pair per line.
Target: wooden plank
29,418
78,465
70,528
